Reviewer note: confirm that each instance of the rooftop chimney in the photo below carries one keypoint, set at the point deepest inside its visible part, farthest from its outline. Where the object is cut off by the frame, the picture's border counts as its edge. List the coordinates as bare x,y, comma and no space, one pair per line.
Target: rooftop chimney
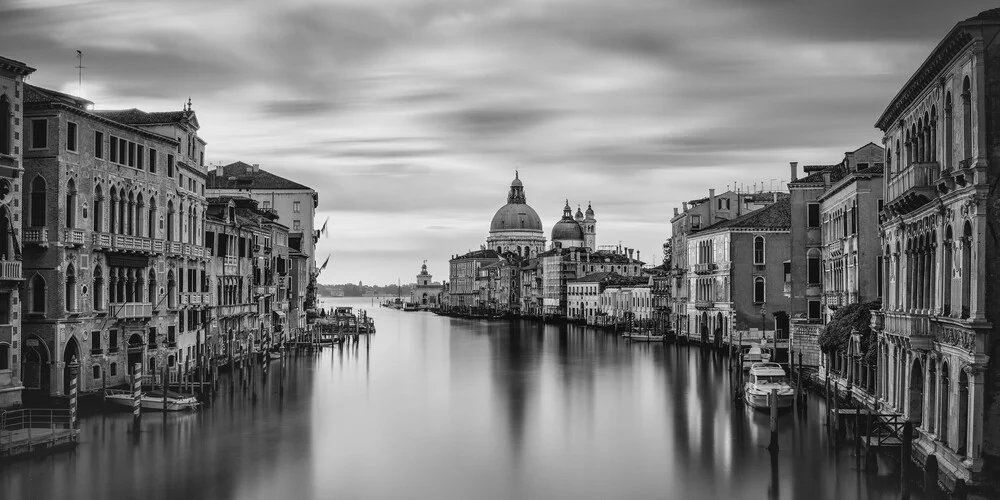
675,211
256,167
711,206
795,167
826,178
684,204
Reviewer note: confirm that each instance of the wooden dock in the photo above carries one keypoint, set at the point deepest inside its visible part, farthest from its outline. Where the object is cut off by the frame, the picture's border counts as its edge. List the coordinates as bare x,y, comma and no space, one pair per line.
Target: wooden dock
28,432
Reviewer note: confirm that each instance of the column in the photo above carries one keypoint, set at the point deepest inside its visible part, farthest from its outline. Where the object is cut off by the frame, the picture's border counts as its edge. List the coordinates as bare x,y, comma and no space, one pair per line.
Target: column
931,282
975,424
934,140
908,288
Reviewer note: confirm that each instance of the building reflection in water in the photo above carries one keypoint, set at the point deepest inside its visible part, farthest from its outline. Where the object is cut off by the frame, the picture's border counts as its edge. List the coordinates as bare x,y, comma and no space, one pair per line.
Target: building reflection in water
449,408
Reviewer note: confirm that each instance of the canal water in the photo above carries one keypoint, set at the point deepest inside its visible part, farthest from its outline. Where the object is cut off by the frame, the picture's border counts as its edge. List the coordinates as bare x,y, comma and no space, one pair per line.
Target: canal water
448,408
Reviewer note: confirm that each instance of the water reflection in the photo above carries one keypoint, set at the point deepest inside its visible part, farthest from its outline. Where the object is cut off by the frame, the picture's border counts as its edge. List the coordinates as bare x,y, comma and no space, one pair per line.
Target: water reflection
446,408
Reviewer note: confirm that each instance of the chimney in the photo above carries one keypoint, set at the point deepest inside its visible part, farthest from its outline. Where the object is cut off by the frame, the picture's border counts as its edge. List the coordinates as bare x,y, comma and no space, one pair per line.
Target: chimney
637,255
826,178
775,196
684,204
675,211
795,167
256,167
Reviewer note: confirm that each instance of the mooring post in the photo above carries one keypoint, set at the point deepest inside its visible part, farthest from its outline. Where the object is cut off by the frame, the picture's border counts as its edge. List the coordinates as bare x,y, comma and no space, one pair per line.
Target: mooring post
904,461
136,399
871,458
773,400
165,386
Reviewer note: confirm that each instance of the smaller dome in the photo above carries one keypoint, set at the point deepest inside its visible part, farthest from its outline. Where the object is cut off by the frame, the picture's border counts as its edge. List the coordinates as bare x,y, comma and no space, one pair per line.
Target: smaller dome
590,213
567,229
579,214
517,180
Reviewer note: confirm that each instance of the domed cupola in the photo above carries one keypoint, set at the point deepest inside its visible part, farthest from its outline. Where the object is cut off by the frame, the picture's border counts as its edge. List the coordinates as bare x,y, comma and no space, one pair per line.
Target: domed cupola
567,232
579,214
590,213
516,226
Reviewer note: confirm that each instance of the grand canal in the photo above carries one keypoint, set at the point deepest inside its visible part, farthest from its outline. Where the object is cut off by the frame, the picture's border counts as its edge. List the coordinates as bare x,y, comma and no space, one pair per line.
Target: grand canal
458,409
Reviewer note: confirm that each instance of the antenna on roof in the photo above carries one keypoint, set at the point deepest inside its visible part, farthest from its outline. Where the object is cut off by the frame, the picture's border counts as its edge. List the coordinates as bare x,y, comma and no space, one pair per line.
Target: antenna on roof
79,68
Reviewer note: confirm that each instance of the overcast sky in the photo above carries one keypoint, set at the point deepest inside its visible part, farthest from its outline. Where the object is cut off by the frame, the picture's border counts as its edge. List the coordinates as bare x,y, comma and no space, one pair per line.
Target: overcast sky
409,117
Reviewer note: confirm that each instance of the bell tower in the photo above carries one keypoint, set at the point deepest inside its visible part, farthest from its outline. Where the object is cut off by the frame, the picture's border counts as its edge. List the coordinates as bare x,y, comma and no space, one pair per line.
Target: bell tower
590,229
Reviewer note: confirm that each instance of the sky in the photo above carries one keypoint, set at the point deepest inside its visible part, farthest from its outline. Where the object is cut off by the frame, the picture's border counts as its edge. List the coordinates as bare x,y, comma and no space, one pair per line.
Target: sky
409,117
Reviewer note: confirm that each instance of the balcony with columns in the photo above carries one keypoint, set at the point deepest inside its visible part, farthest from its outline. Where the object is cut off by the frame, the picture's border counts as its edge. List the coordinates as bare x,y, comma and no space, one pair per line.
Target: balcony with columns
913,187
74,237
10,270
914,327
36,236
132,309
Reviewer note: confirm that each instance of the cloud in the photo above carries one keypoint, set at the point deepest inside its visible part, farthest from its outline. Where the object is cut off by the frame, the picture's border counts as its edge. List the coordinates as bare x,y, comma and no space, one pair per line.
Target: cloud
409,116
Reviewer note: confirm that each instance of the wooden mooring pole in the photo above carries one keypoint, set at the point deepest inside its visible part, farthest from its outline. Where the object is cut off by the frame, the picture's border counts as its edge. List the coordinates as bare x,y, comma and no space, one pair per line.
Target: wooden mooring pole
773,400
905,458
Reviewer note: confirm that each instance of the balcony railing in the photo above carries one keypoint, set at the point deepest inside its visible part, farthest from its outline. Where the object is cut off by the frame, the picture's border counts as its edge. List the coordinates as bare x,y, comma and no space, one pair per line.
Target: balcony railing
36,236
231,261
74,237
916,327
10,270
102,240
173,247
704,268
914,185
835,246
132,243
878,320
704,304
132,309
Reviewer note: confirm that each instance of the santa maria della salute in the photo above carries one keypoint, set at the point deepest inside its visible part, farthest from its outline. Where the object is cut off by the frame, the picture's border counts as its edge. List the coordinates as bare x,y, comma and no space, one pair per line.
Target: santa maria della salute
516,227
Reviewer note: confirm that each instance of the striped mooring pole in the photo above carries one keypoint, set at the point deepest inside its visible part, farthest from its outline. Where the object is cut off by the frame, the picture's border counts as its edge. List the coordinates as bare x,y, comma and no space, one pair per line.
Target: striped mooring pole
74,370
137,394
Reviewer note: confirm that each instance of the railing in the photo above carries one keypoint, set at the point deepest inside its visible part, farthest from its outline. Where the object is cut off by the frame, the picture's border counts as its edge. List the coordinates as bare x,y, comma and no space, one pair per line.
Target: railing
704,268
44,422
36,235
703,304
34,418
913,326
835,246
231,260
878,320
10,270
132,243
158,246
172,247
132,309
917,175
102,240
74,236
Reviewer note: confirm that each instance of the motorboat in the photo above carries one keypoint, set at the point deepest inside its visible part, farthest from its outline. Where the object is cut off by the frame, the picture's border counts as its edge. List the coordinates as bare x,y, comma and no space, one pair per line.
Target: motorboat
644,337
408,307
152,400
762,380
273,355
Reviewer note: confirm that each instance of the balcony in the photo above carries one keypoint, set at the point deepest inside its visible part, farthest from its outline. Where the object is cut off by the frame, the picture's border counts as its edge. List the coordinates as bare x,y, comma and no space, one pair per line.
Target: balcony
158,246
835,247
878,320
74,237
704,304
704,268
916,327
102,240
231,261
10,270
912,188
132,310
833,299
37,236
124,243
173,247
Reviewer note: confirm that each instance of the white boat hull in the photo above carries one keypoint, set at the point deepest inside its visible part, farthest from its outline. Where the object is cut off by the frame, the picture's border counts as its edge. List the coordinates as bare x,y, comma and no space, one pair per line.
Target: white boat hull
151,403
757,400
639,337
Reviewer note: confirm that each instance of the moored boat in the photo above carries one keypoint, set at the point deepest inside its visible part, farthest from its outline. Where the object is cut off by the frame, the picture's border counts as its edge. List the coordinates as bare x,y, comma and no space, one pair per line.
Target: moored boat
762,380
152,400
643,337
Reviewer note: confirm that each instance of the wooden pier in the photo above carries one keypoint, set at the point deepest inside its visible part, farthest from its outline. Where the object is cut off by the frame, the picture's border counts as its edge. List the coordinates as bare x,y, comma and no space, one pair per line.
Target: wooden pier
28,432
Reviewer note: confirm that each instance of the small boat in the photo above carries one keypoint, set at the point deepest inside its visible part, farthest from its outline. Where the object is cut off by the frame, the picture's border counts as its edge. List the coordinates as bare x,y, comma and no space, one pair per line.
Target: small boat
410,307
273,355
152,400
763,379
643,337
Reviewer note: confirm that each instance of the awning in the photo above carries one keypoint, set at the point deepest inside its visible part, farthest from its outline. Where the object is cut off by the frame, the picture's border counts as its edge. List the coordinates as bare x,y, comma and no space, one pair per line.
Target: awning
280,314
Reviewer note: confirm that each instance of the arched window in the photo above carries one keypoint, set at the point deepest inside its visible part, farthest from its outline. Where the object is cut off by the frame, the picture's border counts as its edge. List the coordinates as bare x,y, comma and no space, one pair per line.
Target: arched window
140,285
38,294
758,250
967,270
7,250
38,201
151,224
966,119
113,211
170,220
151,287
140,207
98,209
6,130
171,291
70,207
98,289
70,296
949,133
122,217
758,290
130,215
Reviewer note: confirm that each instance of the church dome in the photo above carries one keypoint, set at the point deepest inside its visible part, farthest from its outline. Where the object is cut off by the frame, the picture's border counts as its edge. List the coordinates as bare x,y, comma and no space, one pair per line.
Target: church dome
516,215
567,230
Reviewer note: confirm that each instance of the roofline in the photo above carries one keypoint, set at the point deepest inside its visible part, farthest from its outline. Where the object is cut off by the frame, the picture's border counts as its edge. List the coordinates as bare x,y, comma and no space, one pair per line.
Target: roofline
953,41
66,107
851,178
15,66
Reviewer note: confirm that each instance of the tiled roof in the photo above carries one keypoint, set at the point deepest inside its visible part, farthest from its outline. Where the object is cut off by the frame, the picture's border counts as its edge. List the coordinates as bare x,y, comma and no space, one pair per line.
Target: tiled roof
33,94
479,254
836,173
245,176
594,277
136,116
777,215
987,15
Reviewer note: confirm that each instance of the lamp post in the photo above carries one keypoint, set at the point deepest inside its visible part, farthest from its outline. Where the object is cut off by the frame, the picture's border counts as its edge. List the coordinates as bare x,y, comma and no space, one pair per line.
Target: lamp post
763,325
